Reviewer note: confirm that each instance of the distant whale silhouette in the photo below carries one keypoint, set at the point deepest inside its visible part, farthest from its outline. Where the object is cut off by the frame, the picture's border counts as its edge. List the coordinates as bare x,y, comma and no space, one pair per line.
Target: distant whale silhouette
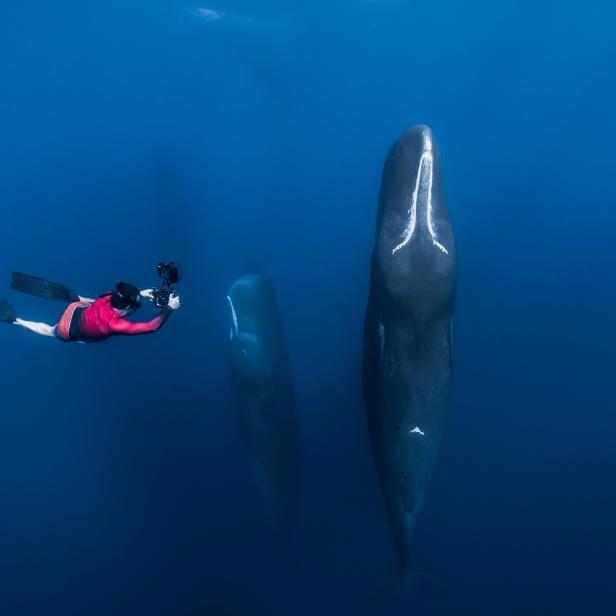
408,335
263,391
246,37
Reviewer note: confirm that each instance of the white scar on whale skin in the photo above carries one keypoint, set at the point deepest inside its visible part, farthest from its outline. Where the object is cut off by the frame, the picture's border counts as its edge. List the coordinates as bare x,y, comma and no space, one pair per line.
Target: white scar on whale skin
417,430
233,313
424,180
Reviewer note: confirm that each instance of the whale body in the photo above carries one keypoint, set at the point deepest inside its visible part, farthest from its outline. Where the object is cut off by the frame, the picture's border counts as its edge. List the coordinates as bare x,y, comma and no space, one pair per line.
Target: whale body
263,392
408,331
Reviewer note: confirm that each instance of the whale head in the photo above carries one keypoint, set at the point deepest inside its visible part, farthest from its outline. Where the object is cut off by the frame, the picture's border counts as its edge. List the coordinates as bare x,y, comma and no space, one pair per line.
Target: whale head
415,251
251,304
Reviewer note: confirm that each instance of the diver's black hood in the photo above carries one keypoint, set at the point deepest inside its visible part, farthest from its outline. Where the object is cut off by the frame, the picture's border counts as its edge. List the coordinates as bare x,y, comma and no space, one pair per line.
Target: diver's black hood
126,296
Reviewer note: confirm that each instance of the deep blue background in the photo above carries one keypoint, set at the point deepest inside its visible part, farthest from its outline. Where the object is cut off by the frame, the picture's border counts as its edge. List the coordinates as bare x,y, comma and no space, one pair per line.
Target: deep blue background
135,131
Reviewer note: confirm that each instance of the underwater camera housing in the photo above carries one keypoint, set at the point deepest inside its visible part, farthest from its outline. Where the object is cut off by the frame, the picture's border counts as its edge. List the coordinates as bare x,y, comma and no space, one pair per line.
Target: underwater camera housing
171,274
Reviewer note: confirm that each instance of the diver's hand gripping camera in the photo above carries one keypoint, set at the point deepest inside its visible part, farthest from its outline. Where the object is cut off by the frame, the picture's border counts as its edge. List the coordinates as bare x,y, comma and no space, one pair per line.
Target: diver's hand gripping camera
171,274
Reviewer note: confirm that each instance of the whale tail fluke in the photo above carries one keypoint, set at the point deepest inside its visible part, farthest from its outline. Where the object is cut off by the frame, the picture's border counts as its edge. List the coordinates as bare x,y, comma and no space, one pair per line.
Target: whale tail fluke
283,547
396,591
424,586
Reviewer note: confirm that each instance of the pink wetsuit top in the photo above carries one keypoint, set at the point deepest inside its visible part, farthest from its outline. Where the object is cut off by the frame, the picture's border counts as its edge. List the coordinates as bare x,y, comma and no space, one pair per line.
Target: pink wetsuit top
100,320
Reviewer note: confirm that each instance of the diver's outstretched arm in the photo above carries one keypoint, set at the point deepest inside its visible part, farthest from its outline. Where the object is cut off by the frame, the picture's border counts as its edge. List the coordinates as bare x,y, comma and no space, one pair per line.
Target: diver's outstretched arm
129,328
38,328
89,300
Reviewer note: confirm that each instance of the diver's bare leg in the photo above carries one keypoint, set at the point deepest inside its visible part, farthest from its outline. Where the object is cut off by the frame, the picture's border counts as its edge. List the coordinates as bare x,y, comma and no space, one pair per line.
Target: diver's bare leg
38,328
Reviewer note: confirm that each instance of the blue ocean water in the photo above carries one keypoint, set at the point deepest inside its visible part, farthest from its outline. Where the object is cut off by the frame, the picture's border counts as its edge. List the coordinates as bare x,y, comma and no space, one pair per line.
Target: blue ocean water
141,131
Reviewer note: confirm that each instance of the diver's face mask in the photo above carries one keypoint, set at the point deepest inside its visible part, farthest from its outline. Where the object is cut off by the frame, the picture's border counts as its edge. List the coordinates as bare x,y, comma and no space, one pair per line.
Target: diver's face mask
133,305
129,304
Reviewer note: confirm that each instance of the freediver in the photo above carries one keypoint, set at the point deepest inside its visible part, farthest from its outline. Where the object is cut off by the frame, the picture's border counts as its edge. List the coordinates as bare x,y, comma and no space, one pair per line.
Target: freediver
95,320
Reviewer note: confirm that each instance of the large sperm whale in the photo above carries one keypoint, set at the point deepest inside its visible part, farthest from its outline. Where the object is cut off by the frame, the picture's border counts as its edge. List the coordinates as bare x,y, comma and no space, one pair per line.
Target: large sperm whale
408,334
263,391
